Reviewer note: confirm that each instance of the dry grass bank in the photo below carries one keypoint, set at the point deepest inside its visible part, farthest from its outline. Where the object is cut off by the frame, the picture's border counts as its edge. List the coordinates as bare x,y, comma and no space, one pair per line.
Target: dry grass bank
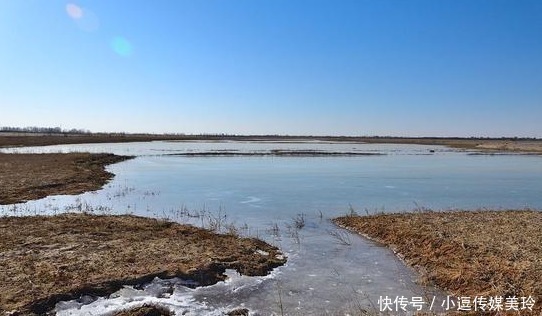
484,253
495,145
47,259
26,177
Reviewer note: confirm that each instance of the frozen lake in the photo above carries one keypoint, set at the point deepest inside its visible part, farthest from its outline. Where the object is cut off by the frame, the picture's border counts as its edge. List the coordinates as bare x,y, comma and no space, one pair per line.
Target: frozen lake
266,196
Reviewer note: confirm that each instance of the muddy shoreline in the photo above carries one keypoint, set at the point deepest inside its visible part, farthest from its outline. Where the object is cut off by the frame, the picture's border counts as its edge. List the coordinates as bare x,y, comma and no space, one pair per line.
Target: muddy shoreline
25,177
46,259
467,253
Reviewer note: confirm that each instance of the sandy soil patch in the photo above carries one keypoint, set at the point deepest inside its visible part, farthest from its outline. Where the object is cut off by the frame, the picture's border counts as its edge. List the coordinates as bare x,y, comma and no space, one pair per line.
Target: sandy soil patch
467,253
45,259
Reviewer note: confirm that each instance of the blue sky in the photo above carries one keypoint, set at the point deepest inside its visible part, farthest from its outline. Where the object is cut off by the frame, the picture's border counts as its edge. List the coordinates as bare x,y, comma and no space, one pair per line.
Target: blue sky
402,68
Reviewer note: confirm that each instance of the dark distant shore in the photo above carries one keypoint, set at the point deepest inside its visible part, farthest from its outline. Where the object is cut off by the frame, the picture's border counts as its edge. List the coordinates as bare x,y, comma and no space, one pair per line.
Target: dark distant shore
519,145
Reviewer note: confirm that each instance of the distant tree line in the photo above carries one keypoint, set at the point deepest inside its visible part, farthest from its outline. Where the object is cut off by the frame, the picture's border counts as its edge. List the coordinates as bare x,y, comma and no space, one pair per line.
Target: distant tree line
43,130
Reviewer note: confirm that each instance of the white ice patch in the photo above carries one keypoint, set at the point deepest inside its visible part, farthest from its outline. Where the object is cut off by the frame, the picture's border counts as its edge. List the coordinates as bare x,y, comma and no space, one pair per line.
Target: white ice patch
214,300
251,200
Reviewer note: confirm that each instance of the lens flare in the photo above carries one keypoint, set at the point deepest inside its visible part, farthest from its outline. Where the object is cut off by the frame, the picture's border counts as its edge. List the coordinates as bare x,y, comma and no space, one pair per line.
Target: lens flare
74,11
121,46
84,18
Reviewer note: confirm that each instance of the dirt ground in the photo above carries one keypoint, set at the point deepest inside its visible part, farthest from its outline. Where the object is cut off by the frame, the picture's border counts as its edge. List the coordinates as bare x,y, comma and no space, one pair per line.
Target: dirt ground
26,177
47,259
467,253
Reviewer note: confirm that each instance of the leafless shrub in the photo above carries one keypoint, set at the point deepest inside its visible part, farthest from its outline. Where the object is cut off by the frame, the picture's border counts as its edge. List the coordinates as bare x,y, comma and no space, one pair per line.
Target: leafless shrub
299,221
274,230
351,211
340,236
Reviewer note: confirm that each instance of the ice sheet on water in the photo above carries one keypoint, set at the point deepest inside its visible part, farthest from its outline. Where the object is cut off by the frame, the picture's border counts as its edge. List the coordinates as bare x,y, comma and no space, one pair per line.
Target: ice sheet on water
173,294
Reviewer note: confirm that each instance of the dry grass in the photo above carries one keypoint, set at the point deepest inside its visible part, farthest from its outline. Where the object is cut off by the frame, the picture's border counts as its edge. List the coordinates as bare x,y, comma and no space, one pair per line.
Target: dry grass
15,140
489,253
47,259
484,145
515,146
25,177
